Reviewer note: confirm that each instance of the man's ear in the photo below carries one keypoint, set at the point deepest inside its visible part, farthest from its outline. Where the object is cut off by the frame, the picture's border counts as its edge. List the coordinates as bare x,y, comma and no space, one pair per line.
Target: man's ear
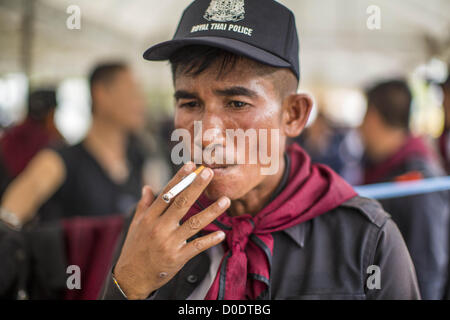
296,110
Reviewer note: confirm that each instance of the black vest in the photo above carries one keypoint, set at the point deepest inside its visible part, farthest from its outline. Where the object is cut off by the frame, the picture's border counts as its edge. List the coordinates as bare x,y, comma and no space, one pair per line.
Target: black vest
88,190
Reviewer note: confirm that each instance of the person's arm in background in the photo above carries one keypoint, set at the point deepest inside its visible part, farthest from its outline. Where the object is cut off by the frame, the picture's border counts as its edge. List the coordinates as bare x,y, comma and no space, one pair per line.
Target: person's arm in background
35,185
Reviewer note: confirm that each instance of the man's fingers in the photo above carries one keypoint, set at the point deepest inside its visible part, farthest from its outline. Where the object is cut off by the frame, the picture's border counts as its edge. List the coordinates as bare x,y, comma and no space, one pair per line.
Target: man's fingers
159,205
182,202
197,222
196,246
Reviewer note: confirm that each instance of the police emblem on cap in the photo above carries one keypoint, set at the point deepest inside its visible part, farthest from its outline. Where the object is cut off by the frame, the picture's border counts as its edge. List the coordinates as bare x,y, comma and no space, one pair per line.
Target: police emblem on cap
225,11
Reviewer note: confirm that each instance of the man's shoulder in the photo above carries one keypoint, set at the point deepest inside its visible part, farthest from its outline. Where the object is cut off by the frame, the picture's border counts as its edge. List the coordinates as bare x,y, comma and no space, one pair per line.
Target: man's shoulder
358,218
65,150
356,215
365,208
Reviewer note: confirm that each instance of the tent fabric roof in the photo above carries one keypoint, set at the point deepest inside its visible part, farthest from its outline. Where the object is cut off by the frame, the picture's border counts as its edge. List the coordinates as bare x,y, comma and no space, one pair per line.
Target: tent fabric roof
336,45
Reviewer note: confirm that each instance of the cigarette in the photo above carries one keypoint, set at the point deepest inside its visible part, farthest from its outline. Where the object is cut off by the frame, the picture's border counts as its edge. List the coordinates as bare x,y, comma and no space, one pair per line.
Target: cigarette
183,184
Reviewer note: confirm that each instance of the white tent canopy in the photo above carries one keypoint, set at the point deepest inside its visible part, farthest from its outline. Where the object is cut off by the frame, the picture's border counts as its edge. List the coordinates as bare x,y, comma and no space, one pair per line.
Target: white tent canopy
339,53
336,45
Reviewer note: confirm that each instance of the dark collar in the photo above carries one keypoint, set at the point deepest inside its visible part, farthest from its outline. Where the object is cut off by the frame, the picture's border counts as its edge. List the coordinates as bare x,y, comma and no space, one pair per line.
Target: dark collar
284,178
297,233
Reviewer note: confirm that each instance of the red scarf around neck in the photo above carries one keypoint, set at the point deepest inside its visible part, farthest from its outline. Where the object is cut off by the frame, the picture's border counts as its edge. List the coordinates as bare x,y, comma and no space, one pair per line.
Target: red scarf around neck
244,272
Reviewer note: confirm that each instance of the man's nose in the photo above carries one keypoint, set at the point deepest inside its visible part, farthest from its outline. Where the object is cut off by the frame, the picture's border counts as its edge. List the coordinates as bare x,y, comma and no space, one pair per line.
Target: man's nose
212,128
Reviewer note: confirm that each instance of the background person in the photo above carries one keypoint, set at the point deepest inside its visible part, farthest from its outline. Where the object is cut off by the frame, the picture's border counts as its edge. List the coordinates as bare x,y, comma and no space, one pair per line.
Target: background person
102,175
392,153
20,143
323,143
444,140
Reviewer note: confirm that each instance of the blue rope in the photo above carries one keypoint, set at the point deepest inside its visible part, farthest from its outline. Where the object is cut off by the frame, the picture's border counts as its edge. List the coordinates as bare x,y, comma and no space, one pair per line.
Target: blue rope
402,189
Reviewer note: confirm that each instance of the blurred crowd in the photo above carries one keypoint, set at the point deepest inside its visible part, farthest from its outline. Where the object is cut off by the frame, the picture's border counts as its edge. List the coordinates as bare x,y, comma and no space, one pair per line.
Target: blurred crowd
71,199
383,149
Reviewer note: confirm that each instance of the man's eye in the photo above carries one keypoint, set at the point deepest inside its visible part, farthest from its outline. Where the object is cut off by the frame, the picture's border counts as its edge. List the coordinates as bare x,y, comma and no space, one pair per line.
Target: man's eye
190,104
237,104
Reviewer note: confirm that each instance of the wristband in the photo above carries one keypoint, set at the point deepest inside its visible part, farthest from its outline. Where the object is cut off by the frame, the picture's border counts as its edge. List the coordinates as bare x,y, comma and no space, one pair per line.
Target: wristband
10,219
118,286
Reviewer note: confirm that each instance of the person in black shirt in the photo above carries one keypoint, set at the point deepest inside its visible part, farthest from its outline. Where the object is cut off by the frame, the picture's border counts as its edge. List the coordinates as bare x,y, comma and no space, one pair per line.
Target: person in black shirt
99,176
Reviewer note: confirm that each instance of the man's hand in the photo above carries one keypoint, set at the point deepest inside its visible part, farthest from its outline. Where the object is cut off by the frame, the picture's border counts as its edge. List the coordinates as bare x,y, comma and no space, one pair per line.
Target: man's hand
155,248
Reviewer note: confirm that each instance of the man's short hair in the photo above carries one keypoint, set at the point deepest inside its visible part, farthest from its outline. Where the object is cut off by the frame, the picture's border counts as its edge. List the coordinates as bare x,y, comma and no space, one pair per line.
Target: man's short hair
40,103
104,73
392,99
193,60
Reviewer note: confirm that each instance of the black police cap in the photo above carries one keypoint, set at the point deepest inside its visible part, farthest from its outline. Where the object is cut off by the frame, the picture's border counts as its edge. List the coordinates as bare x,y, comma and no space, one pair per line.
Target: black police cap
262,30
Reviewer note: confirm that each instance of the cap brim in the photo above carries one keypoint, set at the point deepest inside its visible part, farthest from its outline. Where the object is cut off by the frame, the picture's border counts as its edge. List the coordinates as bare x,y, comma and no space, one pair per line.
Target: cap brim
164,50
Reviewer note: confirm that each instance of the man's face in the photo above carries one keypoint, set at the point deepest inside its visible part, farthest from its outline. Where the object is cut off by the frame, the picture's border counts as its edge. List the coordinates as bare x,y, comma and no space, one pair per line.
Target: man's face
123,103
240,99
368,125
371,130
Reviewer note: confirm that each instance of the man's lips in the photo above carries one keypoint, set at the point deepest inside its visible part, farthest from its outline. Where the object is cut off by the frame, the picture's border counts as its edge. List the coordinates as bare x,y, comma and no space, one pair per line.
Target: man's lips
221,169
217,166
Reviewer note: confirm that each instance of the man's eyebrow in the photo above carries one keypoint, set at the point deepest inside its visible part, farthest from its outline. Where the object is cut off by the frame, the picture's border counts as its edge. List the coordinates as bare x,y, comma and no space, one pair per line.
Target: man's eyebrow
236,91
182,94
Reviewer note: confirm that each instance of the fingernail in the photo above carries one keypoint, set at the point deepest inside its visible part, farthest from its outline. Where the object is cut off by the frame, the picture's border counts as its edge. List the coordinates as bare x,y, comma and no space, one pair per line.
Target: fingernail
206,173
143,191
189,166
223,202
221,235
